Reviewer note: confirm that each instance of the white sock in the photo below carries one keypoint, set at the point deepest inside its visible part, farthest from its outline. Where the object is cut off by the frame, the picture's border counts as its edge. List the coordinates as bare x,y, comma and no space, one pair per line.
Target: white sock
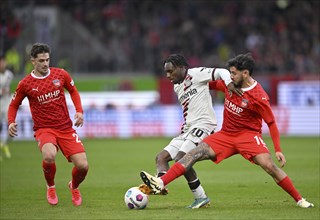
199,193
160,182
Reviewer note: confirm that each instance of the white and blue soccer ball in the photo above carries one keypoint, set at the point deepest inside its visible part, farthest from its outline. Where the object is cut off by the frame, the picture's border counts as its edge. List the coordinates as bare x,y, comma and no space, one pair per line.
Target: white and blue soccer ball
135,199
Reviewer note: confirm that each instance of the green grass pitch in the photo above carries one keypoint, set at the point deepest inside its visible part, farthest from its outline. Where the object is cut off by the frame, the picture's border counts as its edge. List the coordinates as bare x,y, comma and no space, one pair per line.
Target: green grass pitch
237,188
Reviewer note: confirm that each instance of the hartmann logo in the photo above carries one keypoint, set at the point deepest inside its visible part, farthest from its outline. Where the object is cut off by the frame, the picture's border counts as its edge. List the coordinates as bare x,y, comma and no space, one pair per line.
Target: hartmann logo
47,97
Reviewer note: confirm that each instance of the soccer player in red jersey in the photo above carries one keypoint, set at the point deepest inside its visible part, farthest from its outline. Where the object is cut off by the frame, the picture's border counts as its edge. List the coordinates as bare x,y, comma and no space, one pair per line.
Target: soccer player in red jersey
44,88
240,133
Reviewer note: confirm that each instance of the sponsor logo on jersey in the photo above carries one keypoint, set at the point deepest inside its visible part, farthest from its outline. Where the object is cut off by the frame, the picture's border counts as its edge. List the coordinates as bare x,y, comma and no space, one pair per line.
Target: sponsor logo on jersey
188,94
56,82
50,96
72,83
233,108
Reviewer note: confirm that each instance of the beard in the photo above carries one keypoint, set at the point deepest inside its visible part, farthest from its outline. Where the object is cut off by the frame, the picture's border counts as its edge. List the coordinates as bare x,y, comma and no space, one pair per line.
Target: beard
238,84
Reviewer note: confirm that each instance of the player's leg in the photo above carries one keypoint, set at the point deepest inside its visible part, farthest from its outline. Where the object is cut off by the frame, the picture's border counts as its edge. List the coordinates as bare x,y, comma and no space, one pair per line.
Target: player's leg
168,154
265,161
80,168
202,152
162,162
4,143
215,147
49,152
253,148
79,173
1,129
5,147
176,149
200,197
48,147
165,156
193,138
73,150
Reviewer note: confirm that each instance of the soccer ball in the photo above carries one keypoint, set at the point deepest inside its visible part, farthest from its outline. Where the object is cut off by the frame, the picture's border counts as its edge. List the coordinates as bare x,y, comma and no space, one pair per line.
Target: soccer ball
135,199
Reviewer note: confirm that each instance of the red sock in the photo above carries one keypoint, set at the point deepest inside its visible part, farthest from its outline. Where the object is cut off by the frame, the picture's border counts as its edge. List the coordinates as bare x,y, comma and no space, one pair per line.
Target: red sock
78,176
288,186
49,170
174,172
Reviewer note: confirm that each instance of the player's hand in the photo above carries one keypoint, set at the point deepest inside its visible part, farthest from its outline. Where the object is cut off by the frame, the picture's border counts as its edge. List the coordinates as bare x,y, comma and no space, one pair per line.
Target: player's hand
79,119
281,158
233,89
12,129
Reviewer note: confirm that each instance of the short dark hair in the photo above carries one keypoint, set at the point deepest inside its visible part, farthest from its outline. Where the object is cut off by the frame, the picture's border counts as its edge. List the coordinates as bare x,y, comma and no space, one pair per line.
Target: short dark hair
176,60
39,48
242,62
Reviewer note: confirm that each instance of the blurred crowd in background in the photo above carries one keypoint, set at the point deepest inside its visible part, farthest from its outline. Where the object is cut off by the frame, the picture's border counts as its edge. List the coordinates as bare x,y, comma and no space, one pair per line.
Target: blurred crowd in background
282,35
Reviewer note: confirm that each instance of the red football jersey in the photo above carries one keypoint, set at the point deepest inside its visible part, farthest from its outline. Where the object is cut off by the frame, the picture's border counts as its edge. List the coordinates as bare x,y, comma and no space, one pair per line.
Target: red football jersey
245,112
46,99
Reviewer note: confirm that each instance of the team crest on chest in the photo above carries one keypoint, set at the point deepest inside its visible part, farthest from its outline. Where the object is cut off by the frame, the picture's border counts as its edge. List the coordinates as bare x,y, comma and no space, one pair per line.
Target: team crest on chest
56,82
244,103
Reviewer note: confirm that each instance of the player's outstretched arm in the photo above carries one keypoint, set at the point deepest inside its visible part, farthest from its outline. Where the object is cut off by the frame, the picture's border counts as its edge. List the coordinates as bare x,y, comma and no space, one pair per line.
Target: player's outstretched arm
12,129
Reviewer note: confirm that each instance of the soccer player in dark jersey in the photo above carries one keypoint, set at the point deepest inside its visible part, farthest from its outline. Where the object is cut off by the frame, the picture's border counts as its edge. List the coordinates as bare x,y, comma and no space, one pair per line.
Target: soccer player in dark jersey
44,88
240,133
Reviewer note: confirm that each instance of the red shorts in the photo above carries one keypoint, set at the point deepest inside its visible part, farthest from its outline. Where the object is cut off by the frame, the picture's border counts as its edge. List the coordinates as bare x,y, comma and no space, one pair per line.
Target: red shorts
226,144
67,140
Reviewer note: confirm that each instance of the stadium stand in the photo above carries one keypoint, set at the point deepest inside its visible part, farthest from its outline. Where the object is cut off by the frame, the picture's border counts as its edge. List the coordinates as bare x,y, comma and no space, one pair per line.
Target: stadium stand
283,36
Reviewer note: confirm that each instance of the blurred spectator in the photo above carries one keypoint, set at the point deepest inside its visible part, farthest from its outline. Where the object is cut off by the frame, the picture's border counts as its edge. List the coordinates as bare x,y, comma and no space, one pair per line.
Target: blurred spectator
10,27
282,35
13,60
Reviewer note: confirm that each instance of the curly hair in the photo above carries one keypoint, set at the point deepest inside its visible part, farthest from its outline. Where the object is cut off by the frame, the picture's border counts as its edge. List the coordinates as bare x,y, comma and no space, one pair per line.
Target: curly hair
176,60
242,62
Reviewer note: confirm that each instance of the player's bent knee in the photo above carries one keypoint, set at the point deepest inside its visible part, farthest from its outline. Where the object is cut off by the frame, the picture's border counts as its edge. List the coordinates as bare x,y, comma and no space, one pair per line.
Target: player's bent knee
49,157
163,156
82,166
179,155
